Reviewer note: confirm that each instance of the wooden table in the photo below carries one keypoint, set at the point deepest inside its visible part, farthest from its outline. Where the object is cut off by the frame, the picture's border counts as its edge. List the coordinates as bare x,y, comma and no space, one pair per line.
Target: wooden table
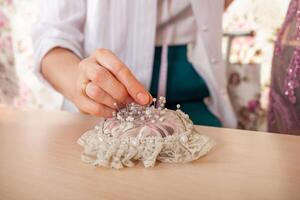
40,159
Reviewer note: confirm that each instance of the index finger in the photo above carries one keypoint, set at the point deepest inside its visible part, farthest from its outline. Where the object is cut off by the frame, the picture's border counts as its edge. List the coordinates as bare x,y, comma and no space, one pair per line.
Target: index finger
111,62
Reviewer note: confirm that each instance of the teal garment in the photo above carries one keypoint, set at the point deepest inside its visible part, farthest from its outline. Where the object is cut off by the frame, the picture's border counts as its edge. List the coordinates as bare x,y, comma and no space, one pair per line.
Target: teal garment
184,86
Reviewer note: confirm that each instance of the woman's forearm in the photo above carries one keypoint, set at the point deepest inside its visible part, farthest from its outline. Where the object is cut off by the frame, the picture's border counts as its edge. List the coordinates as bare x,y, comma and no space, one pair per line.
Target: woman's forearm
60,69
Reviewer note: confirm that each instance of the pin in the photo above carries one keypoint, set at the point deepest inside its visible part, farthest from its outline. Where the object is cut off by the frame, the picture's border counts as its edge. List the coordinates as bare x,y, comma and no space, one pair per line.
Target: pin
154,102
116,105
127,107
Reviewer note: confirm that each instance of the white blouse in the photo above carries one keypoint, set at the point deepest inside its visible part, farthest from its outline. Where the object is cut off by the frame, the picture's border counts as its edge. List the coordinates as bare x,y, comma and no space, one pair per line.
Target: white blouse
176,23
128,28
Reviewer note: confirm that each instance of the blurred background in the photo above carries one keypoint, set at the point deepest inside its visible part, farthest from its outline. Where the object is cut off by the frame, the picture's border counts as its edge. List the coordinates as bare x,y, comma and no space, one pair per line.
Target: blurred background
250,28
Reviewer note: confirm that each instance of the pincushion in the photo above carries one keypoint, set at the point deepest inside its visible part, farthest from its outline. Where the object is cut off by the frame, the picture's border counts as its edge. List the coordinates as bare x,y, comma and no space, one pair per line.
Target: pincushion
144,133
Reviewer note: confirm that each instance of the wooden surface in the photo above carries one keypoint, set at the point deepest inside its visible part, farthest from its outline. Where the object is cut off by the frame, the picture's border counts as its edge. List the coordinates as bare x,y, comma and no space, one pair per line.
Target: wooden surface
40,159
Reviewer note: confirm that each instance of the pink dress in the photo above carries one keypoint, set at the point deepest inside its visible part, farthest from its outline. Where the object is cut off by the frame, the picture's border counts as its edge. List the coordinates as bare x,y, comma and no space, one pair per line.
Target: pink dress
284,110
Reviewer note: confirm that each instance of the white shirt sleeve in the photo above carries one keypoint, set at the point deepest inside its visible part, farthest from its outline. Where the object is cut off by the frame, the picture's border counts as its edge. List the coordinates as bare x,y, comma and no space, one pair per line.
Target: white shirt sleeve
60,24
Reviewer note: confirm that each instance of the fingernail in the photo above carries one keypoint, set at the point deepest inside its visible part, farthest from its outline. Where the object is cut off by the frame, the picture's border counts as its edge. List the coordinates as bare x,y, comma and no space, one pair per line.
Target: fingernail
143,98
128,100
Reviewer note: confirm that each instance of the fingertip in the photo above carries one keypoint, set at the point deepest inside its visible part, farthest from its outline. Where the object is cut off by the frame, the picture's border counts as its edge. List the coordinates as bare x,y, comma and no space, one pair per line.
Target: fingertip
143,98
151,99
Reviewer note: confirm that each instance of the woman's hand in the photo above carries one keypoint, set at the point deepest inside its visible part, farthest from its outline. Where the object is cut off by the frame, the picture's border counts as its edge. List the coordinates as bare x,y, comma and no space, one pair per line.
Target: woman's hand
94,84
104,80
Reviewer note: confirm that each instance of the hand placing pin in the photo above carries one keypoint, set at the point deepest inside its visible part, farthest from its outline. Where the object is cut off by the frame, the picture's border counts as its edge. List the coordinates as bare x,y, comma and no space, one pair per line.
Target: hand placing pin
108,84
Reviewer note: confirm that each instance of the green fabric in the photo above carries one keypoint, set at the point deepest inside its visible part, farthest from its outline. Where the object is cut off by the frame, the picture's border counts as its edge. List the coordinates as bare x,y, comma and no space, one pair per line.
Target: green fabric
184,86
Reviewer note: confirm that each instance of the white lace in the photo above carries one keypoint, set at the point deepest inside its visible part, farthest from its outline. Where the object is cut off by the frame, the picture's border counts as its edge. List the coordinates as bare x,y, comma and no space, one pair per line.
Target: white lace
105,149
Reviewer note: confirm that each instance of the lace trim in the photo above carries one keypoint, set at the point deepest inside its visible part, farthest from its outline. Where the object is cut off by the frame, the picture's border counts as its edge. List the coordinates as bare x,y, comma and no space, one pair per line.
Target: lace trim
112,152
146,134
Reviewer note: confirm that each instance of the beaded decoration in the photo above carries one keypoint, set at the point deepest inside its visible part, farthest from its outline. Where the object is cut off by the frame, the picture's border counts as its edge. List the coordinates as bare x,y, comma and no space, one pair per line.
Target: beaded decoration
292,80
145,133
